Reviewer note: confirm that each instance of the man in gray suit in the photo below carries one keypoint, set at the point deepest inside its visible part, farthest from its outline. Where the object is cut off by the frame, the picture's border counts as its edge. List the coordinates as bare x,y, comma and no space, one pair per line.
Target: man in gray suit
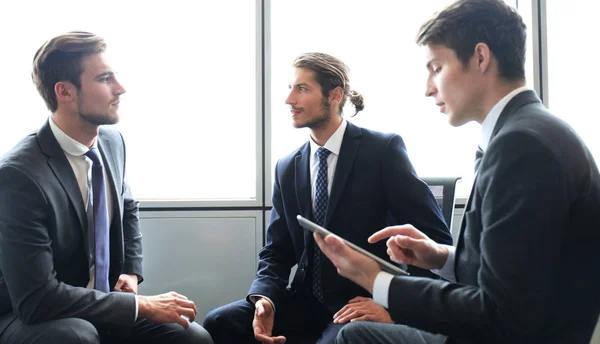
525,266
70,245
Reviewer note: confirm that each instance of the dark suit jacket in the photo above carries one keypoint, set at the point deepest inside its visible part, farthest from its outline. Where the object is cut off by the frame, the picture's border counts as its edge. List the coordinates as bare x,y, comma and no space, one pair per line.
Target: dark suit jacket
527,258
44,267
374,180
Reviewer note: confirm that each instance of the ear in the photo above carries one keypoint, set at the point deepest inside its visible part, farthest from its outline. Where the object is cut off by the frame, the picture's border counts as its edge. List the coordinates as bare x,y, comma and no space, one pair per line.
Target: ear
336,95
483,57
65,92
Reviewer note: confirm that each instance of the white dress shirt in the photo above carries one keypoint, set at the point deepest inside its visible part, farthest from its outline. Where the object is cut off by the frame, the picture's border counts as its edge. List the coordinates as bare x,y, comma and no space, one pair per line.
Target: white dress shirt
383,280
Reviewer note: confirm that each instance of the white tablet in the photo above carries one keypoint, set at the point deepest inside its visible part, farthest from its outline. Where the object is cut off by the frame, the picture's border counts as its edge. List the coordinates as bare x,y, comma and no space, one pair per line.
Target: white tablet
385,266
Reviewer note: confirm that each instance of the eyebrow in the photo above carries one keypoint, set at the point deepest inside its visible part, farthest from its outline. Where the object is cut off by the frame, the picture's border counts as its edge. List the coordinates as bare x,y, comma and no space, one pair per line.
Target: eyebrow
105,74
298,85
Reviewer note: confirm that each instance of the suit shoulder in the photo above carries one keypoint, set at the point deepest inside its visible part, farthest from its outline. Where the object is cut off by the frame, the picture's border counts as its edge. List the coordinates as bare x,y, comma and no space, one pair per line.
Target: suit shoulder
537,125
25,153
380,140
377,135
111,134
289,158
537,131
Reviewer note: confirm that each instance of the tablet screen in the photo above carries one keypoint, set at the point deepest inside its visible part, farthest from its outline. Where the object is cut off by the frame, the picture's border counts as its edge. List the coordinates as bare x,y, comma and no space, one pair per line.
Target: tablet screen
385,266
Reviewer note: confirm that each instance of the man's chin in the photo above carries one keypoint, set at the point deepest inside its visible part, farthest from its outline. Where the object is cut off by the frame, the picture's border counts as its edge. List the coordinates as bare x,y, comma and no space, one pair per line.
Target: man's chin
101,120
299,125
457,121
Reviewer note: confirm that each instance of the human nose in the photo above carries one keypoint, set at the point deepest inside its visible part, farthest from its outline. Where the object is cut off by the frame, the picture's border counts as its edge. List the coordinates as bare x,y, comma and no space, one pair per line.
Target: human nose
119,89
430,88
290,100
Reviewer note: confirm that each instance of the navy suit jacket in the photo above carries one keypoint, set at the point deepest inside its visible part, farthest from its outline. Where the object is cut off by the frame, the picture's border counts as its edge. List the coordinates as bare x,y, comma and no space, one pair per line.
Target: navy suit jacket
44,265
527,256
374,182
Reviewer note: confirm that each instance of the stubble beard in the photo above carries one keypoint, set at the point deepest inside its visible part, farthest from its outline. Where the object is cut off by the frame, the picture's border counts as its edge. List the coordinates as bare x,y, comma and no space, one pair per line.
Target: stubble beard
322,120
95,118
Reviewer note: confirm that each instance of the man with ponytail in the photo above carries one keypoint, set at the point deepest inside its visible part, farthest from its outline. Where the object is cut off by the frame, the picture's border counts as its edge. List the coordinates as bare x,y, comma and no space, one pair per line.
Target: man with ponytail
350,180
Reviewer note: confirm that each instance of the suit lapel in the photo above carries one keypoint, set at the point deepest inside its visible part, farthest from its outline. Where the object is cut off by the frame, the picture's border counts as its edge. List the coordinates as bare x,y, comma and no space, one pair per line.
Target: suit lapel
350,144
302,169
63,171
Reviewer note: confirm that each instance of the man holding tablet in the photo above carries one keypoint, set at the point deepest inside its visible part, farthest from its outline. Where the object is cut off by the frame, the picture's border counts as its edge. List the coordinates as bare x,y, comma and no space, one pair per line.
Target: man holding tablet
351,180
525,266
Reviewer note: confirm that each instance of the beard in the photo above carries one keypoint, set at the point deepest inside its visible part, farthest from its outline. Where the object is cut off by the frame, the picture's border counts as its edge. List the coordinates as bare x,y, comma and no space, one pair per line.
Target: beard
321,120
94,117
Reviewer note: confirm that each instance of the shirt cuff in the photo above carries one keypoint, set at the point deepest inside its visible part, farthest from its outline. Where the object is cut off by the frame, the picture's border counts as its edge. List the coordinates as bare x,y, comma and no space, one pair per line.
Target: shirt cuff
381,288
255,297
136,309
447,271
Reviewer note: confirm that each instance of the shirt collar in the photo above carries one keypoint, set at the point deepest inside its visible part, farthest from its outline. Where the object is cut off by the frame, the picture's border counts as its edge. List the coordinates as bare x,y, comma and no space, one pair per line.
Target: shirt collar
334,144
67,143
487,127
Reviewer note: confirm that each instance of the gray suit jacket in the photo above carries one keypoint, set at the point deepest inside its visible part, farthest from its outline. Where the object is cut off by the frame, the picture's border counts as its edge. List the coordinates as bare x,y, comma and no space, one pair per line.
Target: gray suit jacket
44,267
527,256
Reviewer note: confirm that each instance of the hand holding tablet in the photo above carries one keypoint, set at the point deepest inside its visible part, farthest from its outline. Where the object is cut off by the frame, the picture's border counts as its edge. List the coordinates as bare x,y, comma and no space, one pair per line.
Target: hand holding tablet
385,266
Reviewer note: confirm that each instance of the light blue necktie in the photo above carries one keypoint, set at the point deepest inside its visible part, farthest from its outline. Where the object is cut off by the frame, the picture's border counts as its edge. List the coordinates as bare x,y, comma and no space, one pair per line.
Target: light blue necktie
321,200
101,223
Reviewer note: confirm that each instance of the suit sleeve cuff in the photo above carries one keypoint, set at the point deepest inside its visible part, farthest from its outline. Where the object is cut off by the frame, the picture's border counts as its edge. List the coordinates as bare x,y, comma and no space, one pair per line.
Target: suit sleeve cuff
447,271
381,288
256,297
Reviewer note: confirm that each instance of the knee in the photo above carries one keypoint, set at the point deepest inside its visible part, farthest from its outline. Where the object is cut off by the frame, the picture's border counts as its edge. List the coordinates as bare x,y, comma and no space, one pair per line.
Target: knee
73,330
216,318
231,323
211,320
351,333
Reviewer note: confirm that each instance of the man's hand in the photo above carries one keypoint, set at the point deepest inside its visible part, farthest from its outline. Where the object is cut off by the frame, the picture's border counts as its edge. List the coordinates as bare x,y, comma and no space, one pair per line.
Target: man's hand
408,245
127,283
355,266
167,308
362,309
264,318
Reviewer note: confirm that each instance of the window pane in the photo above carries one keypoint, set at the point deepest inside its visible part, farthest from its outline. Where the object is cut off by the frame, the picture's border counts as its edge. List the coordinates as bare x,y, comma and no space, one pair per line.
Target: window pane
572,32
376,40
184,64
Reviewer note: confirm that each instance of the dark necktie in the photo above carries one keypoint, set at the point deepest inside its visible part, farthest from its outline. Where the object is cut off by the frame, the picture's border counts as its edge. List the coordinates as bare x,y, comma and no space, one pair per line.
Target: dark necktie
321,200
101,224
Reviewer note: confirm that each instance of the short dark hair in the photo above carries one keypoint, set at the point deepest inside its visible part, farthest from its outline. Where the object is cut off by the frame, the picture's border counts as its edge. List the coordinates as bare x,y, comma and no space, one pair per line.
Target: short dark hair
465,23
60,59
330,73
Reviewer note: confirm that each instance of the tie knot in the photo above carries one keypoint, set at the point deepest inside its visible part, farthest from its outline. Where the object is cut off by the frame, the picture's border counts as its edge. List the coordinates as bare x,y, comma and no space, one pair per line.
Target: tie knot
94,155
323,153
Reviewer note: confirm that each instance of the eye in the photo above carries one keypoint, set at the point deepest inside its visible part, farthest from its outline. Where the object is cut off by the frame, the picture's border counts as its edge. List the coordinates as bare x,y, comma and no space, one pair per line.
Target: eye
437,70
302,88
106,78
